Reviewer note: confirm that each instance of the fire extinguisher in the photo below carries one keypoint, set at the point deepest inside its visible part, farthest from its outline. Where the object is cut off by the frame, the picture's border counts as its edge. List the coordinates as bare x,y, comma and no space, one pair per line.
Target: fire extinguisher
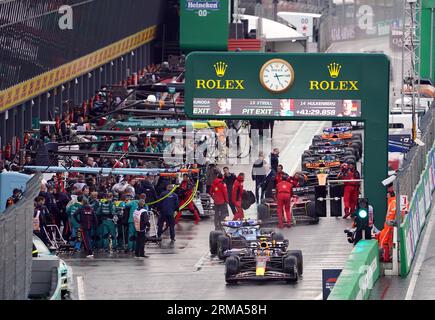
91,103
71,115
26,139
84,108
17,145
57,119
8,151
125,145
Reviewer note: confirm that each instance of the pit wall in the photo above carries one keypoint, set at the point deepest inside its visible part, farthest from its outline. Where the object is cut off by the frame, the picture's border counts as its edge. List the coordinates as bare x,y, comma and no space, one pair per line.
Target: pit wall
360,273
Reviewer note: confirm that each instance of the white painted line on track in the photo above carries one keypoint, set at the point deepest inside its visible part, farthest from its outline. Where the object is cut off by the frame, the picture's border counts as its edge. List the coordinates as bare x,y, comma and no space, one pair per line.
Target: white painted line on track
200,262
297,164
295,136
80,288
420,259
319,297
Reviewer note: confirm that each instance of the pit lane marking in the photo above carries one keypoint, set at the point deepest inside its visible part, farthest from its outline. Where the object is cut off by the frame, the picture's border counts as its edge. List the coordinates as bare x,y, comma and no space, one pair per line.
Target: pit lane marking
201,261
80,288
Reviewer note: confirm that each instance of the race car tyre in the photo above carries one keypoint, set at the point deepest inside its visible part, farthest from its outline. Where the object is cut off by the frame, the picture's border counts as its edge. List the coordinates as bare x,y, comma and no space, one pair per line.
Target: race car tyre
224,244
356,138
263,213
357,145
277,237
232,267
290,267
213,241
298,255
348,159
350,152
317,138
311,212
267,231
357,135
311,197
307,154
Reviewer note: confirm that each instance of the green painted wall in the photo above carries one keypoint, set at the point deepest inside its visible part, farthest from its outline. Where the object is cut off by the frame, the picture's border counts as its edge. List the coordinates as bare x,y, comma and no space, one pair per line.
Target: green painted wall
360,273
370,70
204,25
428,3
426,50
425,71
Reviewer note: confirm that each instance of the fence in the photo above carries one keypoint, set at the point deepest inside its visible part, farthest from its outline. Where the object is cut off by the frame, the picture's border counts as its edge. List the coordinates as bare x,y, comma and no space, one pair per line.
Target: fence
415,160
16,245
414,222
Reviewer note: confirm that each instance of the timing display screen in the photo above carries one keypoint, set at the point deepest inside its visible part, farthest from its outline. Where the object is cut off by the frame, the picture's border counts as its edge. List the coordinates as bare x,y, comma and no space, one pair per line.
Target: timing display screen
276,107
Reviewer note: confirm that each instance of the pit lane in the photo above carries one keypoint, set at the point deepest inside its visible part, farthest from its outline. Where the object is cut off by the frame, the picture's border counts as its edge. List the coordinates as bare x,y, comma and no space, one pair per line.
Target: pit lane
186,270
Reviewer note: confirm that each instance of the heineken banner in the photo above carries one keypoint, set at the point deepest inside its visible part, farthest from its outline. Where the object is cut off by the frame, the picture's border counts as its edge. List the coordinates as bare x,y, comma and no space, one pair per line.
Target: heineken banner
204,25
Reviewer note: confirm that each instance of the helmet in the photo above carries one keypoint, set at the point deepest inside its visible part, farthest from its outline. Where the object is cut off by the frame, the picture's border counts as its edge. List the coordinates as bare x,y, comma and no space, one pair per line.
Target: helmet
151,98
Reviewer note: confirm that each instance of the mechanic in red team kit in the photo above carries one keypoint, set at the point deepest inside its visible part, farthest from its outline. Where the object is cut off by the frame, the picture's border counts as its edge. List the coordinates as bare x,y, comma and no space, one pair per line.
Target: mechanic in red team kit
236,197
351,189
284,195
185,193
279,174
219,193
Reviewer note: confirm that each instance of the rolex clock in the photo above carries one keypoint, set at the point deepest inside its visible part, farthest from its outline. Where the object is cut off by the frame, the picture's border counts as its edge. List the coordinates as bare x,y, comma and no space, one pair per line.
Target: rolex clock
277,75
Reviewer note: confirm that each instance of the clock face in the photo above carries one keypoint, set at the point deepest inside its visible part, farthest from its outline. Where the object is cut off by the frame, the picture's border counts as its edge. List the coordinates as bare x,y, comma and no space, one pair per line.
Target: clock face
277,75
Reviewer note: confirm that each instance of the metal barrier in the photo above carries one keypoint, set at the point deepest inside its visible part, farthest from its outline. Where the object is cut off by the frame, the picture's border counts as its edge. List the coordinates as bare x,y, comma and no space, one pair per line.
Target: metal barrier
16,230
415,160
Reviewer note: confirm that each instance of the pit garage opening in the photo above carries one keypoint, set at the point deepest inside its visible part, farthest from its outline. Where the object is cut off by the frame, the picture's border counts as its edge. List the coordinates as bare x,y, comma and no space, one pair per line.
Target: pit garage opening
306,87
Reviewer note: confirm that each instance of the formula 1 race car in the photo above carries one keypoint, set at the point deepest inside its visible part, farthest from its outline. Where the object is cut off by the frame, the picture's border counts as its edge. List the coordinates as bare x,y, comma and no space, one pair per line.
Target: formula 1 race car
354,143
343,153
264,260
356,125
340,132
303,207
237,236
316,163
